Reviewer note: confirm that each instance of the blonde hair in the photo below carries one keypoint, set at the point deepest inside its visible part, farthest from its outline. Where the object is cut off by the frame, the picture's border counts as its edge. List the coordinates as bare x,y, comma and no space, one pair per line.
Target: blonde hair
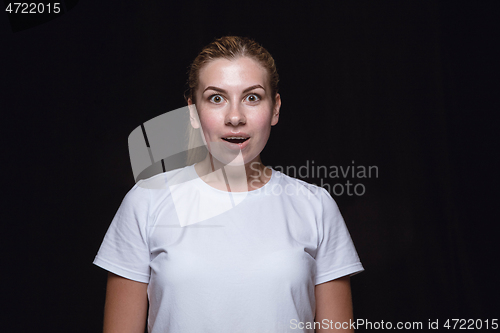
227,47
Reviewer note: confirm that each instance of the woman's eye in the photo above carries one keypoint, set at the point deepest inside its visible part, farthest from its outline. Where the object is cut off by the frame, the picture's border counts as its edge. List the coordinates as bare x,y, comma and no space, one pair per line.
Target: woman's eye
216,99
253,98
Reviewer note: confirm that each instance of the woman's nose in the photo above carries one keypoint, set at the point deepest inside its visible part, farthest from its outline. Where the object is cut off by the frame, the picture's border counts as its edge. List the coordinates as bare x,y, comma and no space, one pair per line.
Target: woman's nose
235,115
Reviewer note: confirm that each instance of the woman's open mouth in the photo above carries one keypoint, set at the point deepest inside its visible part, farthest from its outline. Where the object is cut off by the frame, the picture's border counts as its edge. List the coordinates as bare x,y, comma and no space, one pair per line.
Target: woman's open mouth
235,139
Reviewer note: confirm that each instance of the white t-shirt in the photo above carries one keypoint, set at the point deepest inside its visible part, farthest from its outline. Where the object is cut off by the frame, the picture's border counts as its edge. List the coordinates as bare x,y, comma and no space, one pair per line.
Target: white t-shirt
251,267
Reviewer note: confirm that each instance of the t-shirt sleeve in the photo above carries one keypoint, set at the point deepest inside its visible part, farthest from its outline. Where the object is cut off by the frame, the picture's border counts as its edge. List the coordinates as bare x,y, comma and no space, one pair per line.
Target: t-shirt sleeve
336,255
125,249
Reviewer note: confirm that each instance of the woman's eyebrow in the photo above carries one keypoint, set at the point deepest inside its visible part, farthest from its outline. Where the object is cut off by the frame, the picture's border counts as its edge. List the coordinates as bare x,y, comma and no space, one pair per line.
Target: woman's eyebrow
253,87
225,92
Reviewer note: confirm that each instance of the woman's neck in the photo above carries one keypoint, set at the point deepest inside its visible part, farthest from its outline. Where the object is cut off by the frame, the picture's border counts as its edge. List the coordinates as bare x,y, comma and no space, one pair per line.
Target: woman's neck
233,178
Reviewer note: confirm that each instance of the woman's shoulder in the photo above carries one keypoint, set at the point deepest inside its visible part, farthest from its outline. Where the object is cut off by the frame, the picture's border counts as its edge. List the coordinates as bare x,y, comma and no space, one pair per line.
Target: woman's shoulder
156,187
291,185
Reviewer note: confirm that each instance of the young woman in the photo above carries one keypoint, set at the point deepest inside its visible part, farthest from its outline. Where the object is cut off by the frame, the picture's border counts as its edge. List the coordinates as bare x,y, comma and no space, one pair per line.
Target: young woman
277,258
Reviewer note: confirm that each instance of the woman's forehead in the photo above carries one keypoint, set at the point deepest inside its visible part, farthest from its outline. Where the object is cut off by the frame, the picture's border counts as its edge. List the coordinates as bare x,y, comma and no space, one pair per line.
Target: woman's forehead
240,72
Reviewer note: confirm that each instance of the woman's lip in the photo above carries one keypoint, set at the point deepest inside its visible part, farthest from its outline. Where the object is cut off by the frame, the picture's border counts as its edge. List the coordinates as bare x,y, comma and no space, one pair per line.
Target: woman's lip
236,145
236,134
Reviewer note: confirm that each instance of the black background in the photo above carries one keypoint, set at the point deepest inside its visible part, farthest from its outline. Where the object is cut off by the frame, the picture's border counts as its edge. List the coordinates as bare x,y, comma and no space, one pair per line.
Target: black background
408,86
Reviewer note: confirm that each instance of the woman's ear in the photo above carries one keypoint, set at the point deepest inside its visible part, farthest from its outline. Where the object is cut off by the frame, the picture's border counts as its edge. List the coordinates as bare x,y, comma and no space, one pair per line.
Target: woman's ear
276,110
193,114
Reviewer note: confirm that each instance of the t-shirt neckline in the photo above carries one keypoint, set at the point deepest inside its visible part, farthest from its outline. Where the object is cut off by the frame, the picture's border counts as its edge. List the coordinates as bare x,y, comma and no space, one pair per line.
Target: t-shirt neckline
201,183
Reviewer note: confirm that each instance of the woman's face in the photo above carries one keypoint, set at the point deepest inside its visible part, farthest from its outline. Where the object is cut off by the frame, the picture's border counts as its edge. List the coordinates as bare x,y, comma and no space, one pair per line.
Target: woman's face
235,108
